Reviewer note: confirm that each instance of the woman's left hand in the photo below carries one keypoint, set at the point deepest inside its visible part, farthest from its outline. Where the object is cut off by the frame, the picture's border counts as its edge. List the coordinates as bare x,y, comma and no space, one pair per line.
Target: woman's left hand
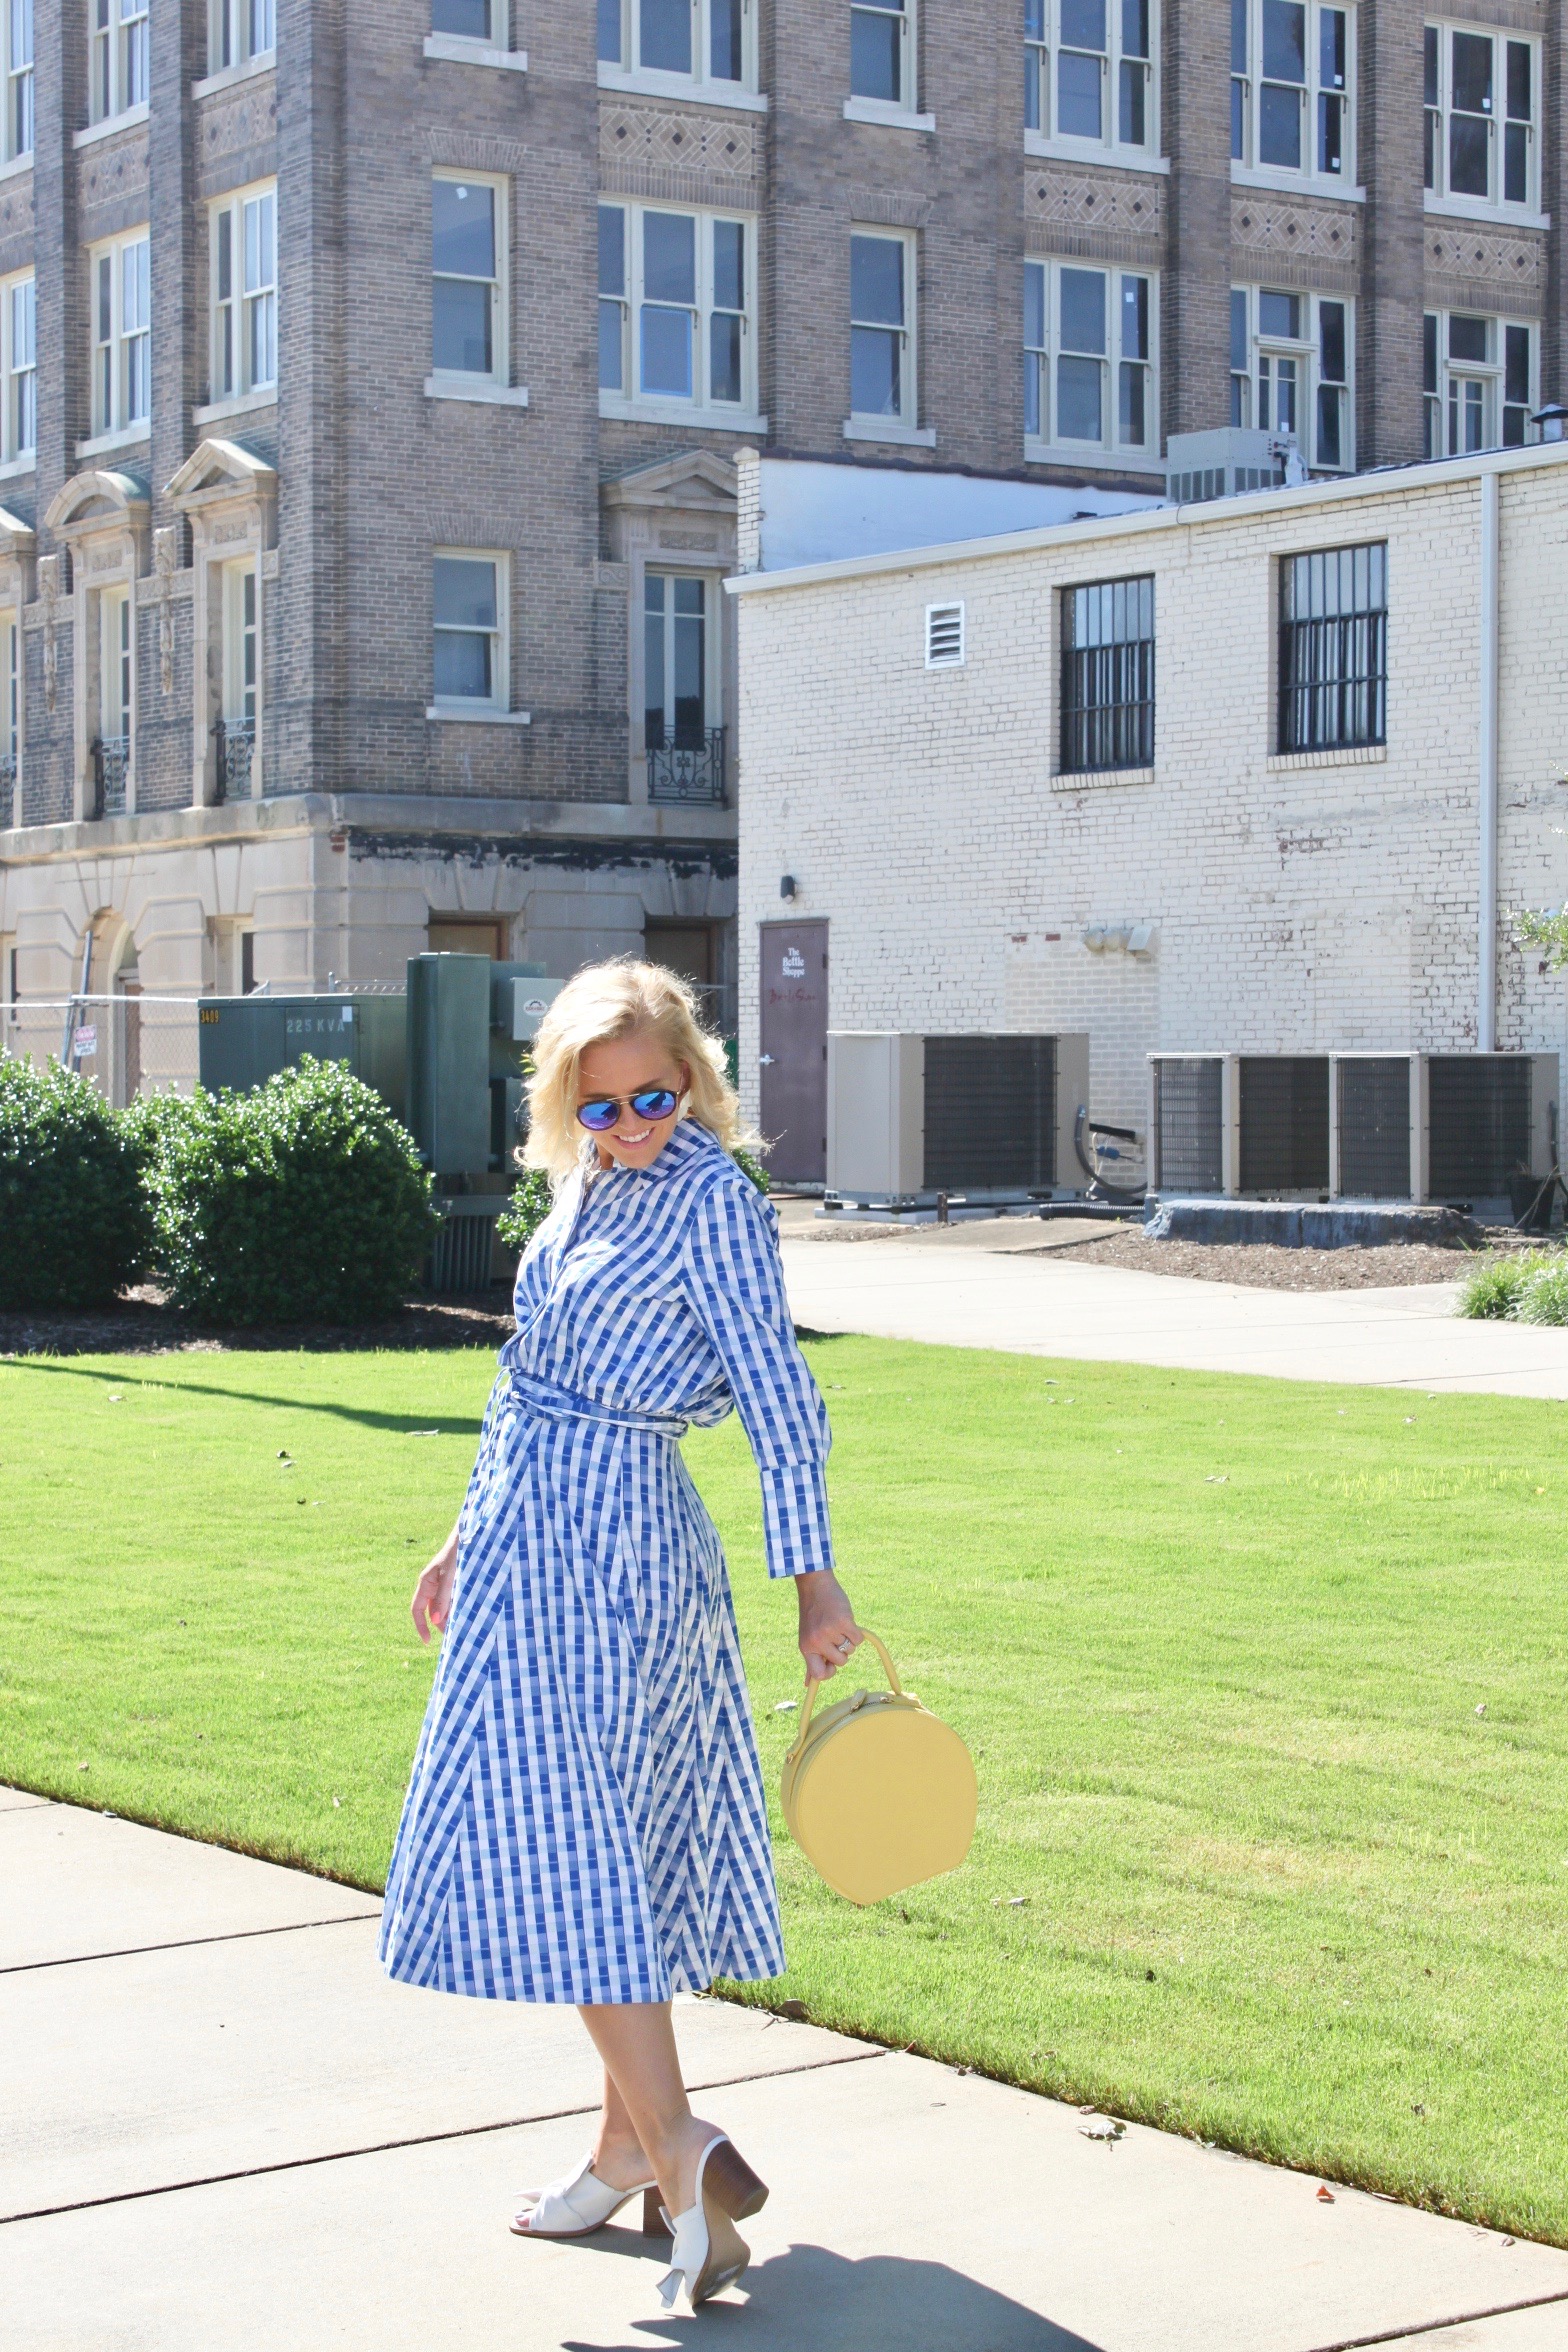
829,1635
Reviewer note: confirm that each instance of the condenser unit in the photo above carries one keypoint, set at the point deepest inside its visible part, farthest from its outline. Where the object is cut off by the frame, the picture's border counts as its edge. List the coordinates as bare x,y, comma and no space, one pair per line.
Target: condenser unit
988,1117
1239,1123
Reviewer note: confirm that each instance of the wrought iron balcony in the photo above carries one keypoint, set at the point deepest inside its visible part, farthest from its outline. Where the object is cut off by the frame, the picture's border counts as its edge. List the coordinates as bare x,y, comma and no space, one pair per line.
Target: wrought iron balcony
691,770
111,761
9,812
236,741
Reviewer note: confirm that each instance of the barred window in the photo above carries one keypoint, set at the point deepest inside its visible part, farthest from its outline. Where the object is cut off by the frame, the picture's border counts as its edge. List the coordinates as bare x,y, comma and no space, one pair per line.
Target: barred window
1108,676
1333,649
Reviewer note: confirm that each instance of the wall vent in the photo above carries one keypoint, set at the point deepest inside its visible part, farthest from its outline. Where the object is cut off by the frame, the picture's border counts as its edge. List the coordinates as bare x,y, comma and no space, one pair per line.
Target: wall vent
944,636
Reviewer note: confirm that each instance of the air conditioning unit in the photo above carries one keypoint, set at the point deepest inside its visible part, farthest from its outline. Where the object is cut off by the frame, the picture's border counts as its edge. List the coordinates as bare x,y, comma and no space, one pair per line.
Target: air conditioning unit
1222,464
1359,1126
988,1117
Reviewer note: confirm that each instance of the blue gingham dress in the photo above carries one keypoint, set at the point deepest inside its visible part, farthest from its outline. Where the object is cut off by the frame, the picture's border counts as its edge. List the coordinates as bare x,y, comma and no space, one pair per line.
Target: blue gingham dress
585,1820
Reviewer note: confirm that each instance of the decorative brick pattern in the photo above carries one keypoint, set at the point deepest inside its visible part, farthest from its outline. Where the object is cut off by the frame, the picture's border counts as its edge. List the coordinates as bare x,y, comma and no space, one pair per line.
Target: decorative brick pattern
1314,232
1484,271
683,155
1132,204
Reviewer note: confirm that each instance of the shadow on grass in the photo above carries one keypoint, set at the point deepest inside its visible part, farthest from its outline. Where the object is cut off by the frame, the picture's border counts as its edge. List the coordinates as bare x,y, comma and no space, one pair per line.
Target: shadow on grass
400,1424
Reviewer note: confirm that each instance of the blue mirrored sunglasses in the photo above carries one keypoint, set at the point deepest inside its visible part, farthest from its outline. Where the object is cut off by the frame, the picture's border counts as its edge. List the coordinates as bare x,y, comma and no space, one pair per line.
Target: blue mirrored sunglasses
600,1115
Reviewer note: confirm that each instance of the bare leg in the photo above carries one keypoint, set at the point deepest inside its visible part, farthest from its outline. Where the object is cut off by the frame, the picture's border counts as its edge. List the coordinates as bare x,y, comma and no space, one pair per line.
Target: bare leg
636,2040
618,2155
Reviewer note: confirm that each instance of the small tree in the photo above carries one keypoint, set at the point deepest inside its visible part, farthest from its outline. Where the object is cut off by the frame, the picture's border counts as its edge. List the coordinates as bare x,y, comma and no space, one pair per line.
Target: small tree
303,1201
75,1225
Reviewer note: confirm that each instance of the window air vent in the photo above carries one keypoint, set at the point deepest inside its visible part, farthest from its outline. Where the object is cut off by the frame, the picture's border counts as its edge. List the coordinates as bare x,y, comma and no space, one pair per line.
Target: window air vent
944,636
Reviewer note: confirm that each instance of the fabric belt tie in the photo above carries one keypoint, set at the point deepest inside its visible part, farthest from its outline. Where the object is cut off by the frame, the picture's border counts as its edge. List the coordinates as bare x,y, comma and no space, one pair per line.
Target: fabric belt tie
560,1404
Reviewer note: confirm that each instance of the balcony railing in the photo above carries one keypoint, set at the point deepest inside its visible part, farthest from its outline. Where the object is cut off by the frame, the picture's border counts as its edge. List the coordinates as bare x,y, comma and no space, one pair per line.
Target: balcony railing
692,772
9,812
111,761
236,742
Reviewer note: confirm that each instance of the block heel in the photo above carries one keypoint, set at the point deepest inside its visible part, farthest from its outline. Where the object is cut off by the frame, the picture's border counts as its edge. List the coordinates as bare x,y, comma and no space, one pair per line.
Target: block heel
732,2184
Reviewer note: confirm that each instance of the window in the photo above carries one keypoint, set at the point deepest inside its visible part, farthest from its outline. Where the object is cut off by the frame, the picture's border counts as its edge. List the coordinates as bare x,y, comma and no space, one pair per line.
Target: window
119,65
470,20
944,636
1108,676
114,674
239,643
1481,114
17,139
19,367
1479,382
1292,67
698,40
881,52
675,307
675,661
468,282
1291,371
122,335
881,328
239,30
1333,649
470,642
1088,358
245,293
1088,71
10,711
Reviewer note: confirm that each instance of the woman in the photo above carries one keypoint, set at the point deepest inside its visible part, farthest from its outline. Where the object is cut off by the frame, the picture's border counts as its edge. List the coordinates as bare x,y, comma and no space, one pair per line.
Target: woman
585,1820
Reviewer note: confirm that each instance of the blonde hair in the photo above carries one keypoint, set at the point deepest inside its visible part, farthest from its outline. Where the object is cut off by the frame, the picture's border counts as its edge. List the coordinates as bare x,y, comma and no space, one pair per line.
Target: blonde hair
604,1002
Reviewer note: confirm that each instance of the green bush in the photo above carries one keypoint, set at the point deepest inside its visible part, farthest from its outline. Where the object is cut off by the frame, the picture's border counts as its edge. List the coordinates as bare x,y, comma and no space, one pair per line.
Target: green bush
303,1201
1495,1288
530,1204
1544,1298
74,1220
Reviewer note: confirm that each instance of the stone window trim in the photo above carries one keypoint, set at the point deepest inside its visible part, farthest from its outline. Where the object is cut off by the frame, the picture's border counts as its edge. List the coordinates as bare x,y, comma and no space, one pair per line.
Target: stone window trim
228,498
217,412
103,520
228,77
1122,159
727,97
678,515
132,118
454,49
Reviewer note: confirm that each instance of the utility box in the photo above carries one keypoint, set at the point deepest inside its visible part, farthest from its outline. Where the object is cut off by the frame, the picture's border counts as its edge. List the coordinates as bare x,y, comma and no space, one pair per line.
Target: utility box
449,1101
1221,464
531,1000
986,1117
242,1041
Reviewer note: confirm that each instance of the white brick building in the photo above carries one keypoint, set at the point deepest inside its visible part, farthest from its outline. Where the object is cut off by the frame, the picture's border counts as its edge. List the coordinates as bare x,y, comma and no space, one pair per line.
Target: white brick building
1290,900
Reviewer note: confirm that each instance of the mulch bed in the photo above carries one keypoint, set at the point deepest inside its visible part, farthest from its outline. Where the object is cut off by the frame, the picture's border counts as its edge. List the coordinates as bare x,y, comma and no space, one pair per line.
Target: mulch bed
141,1323
1268,1266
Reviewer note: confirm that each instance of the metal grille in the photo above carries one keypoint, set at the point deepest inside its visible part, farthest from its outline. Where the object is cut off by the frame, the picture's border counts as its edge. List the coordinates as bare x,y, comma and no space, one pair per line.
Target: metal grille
1374,1129
111,761
1108,676
990,1114
9,811
1333,648
692,772
460,1254
1479,1110
1284,1123
1188,1095
236,746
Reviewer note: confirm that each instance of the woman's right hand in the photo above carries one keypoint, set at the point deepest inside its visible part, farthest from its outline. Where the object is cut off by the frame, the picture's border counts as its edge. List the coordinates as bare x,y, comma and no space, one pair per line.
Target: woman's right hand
433,1593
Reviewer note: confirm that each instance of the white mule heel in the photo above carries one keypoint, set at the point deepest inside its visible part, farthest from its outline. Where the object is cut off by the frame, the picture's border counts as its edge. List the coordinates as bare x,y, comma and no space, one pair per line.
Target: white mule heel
709,2252
580,2202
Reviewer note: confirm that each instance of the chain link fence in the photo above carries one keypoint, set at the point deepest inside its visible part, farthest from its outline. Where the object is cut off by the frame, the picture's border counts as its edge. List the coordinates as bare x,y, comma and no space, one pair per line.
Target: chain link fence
126,1044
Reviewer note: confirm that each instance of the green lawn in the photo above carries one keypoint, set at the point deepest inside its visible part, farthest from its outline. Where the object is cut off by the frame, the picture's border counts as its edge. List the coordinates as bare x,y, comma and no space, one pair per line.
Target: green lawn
1222,1648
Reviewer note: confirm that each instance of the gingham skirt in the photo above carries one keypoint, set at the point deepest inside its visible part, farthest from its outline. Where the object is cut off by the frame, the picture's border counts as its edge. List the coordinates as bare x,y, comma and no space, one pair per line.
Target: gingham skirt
585,1820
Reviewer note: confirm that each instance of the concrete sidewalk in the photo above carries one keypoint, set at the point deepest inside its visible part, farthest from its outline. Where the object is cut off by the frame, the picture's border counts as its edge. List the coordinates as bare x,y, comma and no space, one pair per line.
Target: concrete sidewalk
968,1296
223,2131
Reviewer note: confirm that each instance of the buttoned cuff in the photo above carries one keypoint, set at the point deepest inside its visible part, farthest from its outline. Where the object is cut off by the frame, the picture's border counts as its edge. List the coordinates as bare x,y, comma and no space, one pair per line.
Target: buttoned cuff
795,1526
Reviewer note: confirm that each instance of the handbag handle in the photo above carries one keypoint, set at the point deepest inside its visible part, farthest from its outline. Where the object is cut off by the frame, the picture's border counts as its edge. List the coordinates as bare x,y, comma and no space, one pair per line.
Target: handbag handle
813,1686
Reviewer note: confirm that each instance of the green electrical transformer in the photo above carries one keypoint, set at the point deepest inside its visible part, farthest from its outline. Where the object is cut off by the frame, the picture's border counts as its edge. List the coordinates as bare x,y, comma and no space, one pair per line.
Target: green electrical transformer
243,1040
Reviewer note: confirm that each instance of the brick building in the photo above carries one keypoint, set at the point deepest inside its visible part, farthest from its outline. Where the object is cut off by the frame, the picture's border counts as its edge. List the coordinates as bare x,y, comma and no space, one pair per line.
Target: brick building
1260,776
371,379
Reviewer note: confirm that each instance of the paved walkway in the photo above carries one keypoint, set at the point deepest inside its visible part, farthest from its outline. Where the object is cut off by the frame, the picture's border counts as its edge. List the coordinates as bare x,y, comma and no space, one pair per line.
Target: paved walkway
223,2131
971,1295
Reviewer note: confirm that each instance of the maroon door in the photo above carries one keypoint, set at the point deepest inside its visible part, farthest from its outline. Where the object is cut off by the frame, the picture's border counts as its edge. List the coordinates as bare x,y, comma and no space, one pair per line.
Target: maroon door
794,1054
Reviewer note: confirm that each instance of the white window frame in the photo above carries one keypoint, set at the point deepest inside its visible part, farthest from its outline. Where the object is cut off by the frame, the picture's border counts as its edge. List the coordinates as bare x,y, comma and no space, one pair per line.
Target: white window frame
861,425
242,292
240,630
1046,38
498,374
1268,347
19,372
498,701
117,664
13,674
1441,403
18,129
903,112
240,33
1437,121
119,47
1248,169
630,401
627,71
711,584
1045,290
114,364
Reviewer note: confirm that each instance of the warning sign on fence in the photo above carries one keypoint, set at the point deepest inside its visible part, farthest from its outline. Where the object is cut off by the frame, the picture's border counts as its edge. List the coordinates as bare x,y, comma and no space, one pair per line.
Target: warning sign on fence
86,1043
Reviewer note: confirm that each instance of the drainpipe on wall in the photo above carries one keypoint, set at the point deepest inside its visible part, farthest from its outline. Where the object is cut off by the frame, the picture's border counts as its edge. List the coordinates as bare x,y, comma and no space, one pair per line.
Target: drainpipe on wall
1486,978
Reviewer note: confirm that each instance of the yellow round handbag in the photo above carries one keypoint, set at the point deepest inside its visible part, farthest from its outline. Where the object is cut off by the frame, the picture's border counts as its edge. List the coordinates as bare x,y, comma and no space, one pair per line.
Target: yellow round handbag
878,1792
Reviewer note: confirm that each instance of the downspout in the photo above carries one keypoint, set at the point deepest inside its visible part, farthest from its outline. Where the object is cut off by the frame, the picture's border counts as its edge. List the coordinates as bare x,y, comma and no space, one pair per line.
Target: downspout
1486,978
